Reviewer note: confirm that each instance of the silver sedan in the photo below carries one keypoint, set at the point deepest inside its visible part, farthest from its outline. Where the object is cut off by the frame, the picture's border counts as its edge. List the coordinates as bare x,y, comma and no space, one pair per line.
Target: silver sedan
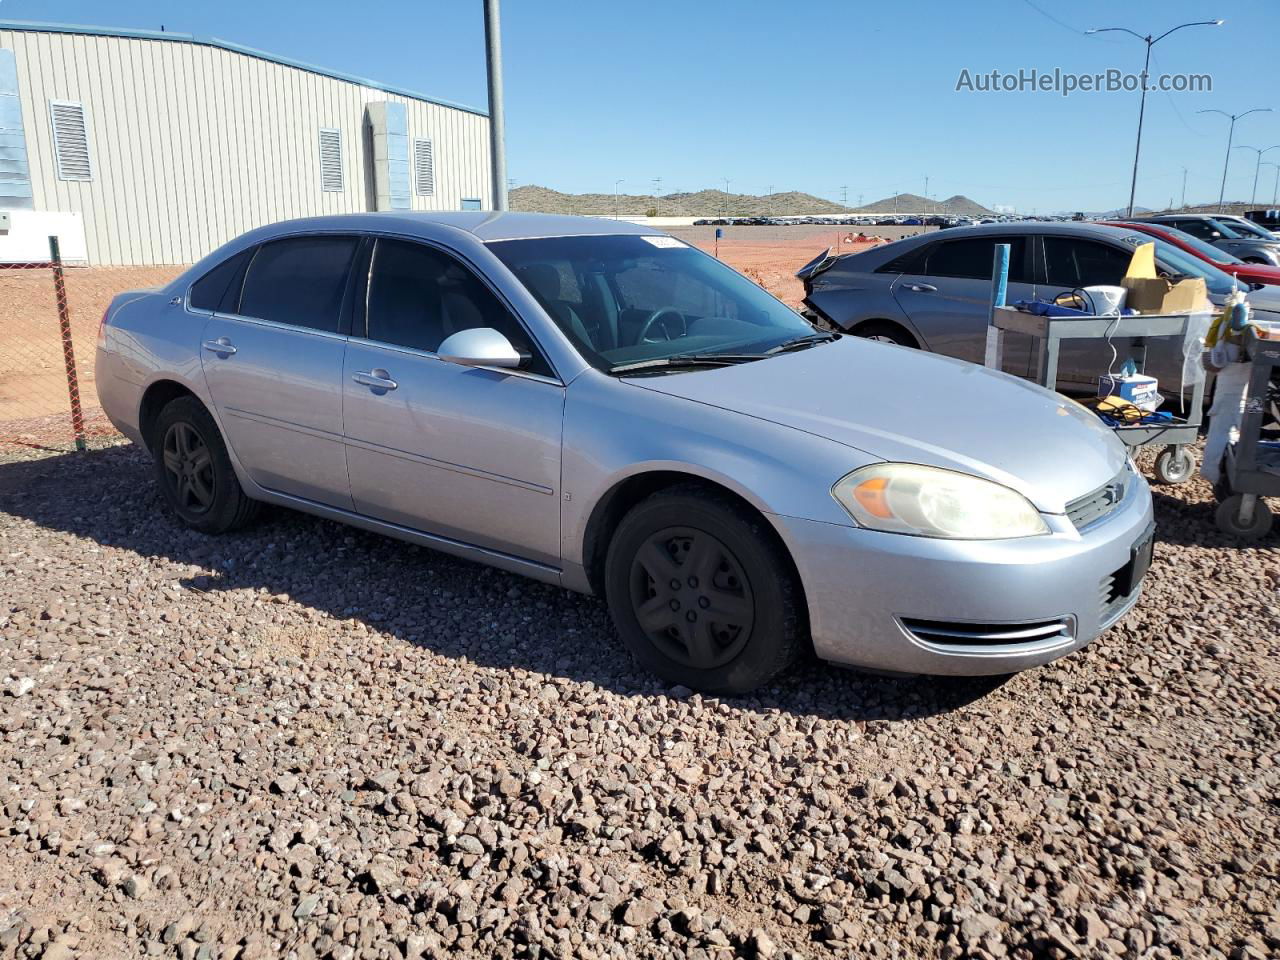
600,406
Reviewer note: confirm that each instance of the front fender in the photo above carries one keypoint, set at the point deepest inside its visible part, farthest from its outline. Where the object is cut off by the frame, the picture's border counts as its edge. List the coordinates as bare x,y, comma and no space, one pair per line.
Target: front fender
614,431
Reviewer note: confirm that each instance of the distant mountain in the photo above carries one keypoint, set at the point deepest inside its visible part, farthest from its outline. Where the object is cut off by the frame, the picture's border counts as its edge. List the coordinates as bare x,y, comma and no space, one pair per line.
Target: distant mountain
1236,207
704,203
957,206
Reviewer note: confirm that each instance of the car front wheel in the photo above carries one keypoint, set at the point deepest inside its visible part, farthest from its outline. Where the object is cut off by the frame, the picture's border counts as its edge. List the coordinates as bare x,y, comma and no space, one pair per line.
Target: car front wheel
194,470
702,592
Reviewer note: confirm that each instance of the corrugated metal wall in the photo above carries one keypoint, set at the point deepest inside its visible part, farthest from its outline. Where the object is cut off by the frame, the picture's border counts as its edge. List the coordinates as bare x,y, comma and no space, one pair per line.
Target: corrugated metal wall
193,144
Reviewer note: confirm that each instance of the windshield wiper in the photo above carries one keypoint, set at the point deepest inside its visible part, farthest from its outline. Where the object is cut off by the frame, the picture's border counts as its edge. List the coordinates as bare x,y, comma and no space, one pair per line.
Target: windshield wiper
799,343
687,360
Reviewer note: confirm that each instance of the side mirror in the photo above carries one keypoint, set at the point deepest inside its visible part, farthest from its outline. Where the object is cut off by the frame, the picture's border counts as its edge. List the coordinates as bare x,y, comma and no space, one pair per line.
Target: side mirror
480,347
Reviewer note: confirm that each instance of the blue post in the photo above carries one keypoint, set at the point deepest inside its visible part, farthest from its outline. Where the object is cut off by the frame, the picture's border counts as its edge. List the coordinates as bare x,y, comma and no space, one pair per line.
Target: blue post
999,292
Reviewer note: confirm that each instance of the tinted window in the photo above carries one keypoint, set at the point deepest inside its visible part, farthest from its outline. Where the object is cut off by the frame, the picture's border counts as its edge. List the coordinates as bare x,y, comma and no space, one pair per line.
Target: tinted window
973,258
1199,228
299,281
1083,263
220,287
419,296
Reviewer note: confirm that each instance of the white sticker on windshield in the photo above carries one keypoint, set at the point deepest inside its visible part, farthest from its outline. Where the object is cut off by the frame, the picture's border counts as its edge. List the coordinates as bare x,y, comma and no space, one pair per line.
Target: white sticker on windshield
663,241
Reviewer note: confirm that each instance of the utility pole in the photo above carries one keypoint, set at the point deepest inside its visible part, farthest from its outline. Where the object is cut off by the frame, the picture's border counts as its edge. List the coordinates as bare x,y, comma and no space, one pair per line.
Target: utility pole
1231,132
1184,189
657,206
1253,199
615,197
1150,41
926,187
724,204
773,208
497,135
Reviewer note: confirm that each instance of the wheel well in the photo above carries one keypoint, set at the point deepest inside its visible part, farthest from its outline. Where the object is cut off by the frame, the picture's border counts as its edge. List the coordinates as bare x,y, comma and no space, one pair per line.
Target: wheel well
881,322
157,397
613,506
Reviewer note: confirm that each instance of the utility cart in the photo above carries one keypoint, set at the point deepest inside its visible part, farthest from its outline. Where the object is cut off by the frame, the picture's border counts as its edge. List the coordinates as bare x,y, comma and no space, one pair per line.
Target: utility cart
1251,469
1174,464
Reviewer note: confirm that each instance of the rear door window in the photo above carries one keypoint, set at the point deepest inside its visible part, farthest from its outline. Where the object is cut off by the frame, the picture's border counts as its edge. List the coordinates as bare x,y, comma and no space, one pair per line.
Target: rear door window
973,258
1072,262
299,281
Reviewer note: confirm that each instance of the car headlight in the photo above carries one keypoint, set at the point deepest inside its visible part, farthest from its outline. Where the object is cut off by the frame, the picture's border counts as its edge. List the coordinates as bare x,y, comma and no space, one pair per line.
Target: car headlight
932,502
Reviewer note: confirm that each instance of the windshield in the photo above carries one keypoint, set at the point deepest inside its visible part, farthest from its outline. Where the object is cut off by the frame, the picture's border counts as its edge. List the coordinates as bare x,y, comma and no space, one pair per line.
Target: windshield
629,299
1249,229
1216,254
1177,261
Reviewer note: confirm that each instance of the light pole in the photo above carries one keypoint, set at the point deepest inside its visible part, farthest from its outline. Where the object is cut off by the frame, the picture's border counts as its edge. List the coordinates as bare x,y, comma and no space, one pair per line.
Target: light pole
724,204
1253,199
1142,107
1231,132
497,135
1275,191
616,183
1184,189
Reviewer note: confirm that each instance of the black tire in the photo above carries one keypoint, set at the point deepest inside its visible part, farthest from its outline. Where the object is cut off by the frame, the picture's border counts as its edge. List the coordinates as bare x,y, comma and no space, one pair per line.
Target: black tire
1227,518
752,582
194,471
1174,465
886,331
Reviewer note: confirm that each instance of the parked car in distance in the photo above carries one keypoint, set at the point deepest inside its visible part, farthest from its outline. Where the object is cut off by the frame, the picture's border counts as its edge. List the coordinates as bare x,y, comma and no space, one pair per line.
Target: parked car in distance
1247,273
1251,226
1252,245
933,292
600,406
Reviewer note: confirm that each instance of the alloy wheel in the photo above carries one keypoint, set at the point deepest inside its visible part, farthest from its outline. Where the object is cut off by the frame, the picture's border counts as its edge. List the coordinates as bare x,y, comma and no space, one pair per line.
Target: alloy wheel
188,465
691,597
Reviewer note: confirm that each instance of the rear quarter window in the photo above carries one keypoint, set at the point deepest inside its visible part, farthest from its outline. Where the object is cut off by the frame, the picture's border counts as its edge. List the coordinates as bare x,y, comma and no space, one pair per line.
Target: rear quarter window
219,289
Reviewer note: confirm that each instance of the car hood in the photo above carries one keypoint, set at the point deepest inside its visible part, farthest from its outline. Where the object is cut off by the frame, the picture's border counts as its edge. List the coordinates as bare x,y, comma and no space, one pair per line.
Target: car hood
903,405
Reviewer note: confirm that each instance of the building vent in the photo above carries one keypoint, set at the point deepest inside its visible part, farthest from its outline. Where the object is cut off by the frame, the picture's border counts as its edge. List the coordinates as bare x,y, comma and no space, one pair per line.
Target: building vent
70,140
424,168
330,160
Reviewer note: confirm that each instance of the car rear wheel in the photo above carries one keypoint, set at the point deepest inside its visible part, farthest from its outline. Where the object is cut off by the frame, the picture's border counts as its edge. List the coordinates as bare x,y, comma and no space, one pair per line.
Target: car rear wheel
702,592
194,470
885,331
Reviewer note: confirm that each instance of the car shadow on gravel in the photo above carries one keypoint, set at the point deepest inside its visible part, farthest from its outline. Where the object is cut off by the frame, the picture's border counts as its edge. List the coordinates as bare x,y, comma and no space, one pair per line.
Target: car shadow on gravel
1191,524
452,607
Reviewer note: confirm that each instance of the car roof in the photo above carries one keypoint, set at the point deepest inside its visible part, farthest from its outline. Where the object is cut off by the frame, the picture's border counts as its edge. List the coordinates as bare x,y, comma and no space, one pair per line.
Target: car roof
485,225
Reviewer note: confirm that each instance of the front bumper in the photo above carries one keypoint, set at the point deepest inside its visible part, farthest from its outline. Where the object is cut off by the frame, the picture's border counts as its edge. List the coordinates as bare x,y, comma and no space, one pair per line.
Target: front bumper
867,592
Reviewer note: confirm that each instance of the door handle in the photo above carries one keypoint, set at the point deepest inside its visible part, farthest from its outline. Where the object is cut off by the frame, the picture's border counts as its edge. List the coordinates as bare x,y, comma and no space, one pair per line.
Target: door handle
222,347
922,287
377,380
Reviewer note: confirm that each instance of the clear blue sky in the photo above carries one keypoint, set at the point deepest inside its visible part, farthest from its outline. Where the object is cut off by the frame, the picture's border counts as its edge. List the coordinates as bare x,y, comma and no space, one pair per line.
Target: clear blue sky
806,95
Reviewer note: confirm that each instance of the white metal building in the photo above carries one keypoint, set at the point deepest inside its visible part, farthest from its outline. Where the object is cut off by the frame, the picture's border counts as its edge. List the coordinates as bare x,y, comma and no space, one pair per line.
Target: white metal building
166,145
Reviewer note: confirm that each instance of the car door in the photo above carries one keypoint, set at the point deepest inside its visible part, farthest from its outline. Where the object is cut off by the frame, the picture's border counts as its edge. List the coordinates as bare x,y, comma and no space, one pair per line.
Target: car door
946,292
467,453
272,359
1071,262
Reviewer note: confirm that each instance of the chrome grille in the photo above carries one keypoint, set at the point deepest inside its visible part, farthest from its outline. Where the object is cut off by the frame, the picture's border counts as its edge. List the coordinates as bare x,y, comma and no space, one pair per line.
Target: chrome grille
947,633
1097,504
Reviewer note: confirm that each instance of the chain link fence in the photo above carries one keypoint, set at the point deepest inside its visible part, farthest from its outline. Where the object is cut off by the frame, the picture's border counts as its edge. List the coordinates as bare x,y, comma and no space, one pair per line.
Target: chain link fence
49,316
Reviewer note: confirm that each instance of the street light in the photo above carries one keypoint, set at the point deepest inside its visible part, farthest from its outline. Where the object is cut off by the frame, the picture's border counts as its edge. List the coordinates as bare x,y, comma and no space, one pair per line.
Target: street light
1275,191
1253,200
1142,108
1231,132
616,183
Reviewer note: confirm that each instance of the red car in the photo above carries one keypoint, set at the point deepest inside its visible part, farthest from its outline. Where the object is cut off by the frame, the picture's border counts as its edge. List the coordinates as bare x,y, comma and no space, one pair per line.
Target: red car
1247,272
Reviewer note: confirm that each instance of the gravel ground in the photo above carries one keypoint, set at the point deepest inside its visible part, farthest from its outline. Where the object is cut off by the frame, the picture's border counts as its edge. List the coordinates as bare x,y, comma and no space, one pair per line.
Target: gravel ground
305,741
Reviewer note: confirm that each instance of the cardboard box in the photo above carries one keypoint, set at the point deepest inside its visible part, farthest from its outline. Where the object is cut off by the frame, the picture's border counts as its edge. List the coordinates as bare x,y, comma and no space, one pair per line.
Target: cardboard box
1140,390
1158,295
